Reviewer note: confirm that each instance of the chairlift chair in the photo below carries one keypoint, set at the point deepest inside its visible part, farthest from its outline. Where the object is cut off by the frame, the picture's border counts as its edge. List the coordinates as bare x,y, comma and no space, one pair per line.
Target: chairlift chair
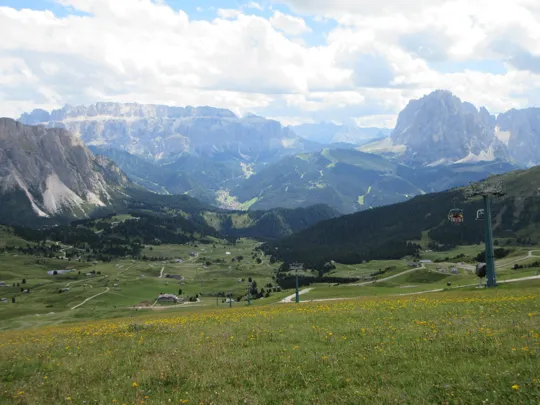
456,216
480,215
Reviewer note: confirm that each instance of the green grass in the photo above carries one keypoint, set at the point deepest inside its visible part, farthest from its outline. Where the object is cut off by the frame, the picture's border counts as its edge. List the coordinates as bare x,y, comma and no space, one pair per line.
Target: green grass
457,347
8,239
138,282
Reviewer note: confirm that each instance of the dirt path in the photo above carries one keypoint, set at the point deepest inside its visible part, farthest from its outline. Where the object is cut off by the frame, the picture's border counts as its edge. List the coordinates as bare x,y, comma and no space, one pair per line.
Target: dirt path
472,285
389,278
92,297
290,298
159,308
161,273
529,255
413,293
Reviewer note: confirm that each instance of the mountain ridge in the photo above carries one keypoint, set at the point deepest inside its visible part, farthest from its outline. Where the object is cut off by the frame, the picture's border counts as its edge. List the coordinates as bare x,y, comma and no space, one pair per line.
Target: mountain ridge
54,171
440,129
393,232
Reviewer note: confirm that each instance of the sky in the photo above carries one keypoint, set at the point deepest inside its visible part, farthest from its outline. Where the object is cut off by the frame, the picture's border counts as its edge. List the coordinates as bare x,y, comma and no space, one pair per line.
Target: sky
354,62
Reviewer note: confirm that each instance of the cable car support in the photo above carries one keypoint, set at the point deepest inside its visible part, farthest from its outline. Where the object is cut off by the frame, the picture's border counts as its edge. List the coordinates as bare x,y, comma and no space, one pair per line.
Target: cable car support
487,192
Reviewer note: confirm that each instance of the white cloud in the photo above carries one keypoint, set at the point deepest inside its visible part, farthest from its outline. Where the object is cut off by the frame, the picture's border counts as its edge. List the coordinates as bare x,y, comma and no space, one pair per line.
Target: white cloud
379,56
228,13
254,5
289,24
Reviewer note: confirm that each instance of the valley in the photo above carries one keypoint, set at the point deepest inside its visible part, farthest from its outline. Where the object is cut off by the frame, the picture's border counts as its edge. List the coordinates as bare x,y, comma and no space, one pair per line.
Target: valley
57,341
269,202
254,163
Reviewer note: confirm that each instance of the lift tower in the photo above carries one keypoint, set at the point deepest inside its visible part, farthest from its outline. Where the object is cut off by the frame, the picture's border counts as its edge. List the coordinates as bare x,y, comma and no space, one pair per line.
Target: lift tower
487,191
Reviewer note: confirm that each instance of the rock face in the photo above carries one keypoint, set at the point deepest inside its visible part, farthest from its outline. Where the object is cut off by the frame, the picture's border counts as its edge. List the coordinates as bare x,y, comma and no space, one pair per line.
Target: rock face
441,129
519,130
158,131
53,171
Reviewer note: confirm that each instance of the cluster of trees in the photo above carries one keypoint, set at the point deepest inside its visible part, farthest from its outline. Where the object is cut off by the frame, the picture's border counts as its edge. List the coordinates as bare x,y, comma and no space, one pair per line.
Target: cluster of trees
40,249
498,253
441,247
380,272
289,281
276,223
102,239
527,266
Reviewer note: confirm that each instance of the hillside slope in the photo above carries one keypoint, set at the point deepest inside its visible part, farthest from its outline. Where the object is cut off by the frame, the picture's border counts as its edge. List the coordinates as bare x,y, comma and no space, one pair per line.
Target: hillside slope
48,172
385,232
350,181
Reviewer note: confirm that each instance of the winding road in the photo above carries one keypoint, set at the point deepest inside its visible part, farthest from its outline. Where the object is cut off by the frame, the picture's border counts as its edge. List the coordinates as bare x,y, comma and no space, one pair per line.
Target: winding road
92,297
290,298
530,254
390,277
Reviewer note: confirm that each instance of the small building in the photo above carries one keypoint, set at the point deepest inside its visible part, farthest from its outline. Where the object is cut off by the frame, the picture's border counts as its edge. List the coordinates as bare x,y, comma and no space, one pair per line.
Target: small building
175,276
56,272
63,290
426,261
3,300
168,298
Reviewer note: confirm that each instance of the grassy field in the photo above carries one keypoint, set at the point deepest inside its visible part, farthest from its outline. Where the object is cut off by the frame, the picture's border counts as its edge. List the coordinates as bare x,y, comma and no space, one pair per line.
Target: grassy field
125,284
457,347
120,286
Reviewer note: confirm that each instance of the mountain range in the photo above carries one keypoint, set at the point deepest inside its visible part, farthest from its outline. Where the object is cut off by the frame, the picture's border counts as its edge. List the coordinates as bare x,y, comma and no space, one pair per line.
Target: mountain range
440,129
250,162
159,132
48,177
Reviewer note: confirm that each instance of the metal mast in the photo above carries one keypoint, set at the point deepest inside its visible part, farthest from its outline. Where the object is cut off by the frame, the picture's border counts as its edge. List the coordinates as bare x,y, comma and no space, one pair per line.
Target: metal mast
296,267
487,192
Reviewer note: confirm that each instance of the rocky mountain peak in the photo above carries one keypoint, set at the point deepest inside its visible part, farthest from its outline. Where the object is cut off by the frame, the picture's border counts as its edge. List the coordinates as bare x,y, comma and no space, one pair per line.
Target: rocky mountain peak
439,127
53,171
159,132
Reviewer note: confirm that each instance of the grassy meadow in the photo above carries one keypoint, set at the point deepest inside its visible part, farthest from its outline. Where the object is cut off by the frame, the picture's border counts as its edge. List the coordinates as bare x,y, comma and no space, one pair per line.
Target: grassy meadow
125,284
456,347
106,340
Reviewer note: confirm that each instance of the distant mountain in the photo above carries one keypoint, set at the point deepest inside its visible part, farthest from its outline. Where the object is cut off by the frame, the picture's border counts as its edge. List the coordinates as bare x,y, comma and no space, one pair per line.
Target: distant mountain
162,132
49,172
48,177
329,133
440,129
187,174
386,232
351,181
271,224
519,130
253,163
